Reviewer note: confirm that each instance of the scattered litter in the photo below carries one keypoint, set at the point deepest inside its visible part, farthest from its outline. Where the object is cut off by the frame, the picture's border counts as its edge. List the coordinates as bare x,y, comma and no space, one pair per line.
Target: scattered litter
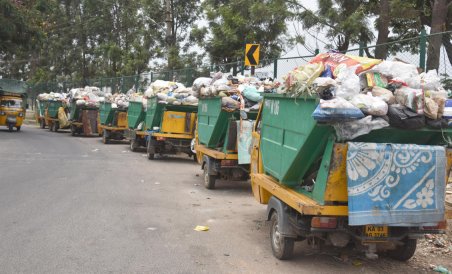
152,228
94,150
441,269
201,228
226,254
157,183
357,263
196,184
142,180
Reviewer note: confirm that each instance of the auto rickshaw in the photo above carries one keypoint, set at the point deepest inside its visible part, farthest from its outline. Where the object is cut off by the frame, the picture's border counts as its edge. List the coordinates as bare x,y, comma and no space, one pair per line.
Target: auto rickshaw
12,103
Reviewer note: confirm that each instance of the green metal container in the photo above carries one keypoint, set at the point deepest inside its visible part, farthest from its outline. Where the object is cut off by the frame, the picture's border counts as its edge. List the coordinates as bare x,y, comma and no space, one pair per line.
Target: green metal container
154,112
42,107
74,112
135,114
291,140
52,108
293,143
213,122
106,113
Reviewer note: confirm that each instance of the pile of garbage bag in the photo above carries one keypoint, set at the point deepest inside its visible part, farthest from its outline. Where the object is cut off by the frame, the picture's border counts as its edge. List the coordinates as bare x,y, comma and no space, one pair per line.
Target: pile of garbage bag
359,94
237,92
87,96
172,93
53,96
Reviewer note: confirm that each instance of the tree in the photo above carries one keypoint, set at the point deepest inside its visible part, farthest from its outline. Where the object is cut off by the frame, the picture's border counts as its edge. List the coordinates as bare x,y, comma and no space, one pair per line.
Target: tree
438,25
344,21
233,23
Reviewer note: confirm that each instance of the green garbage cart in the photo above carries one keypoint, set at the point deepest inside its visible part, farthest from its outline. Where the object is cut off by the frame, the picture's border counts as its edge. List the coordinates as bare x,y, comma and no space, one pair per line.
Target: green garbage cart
113,122
136,133
369,191
217,141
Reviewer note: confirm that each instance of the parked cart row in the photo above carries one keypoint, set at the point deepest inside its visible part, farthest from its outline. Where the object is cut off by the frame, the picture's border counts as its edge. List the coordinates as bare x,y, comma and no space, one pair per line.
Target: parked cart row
380,188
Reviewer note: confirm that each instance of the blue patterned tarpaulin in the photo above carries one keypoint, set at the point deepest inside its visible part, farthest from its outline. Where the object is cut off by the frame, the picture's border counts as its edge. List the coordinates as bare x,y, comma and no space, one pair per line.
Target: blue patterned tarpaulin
395,184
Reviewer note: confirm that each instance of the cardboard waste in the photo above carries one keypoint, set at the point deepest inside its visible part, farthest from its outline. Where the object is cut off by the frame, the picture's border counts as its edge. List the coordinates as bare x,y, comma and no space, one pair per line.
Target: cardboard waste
356,91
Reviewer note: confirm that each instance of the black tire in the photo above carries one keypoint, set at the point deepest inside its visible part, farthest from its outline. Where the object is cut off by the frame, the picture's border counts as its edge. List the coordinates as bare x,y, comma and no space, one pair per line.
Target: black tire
105,137
282,247
134,144
403,252
42,123
73,130
56,126
18,128
10,127
209,180
195,158
150,150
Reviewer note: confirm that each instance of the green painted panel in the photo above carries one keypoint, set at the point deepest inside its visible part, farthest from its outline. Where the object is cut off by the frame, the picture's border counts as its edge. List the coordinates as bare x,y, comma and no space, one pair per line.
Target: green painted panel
106,113
52,108
212,122
291,140
135,114
154,112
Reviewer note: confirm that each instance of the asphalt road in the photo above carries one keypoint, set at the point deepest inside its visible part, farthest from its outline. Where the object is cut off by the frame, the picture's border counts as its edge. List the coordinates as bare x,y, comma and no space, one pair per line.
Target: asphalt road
74,205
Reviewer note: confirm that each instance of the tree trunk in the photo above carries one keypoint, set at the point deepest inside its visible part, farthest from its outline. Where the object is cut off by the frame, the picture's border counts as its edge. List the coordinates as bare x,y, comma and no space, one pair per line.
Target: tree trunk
381,52
169,31
448,46
439,13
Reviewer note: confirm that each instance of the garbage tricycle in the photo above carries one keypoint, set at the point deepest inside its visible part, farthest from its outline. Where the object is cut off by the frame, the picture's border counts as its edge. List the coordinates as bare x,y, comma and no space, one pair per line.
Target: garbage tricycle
380,191
171,128
113,122
56,115
84,119
137,133
222,141
12,103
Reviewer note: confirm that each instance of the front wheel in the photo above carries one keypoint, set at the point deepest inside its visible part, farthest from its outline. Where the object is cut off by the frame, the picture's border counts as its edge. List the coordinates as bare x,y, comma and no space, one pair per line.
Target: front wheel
404,252
209,180
282,246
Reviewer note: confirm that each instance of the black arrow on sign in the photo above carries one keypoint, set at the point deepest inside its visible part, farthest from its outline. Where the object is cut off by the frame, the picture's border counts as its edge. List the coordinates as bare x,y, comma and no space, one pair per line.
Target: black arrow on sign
250,56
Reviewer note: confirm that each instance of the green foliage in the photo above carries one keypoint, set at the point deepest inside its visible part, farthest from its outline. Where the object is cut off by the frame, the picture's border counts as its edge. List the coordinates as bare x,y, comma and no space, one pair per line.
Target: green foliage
233,23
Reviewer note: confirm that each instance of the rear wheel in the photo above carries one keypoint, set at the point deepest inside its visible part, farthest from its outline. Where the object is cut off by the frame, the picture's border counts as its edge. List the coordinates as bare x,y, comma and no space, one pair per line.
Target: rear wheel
209,180
105,137
73,130
282,247
134,144
404,252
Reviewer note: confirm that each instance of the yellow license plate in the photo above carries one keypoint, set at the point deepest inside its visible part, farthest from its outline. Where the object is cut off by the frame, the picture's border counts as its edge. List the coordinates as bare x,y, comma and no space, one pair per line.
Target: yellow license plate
376,231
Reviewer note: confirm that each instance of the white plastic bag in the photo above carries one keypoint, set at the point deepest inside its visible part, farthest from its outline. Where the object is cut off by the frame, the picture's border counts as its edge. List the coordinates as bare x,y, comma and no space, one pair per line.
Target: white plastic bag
431,80
351,130
370,105
348,83
400,71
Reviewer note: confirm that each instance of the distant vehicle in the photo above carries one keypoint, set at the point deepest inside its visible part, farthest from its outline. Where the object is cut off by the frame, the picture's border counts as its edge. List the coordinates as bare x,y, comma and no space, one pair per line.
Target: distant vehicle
12,103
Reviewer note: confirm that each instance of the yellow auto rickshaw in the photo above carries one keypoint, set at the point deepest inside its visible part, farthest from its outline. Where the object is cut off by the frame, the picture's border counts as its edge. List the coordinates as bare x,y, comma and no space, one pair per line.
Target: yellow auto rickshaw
12,111
12,103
